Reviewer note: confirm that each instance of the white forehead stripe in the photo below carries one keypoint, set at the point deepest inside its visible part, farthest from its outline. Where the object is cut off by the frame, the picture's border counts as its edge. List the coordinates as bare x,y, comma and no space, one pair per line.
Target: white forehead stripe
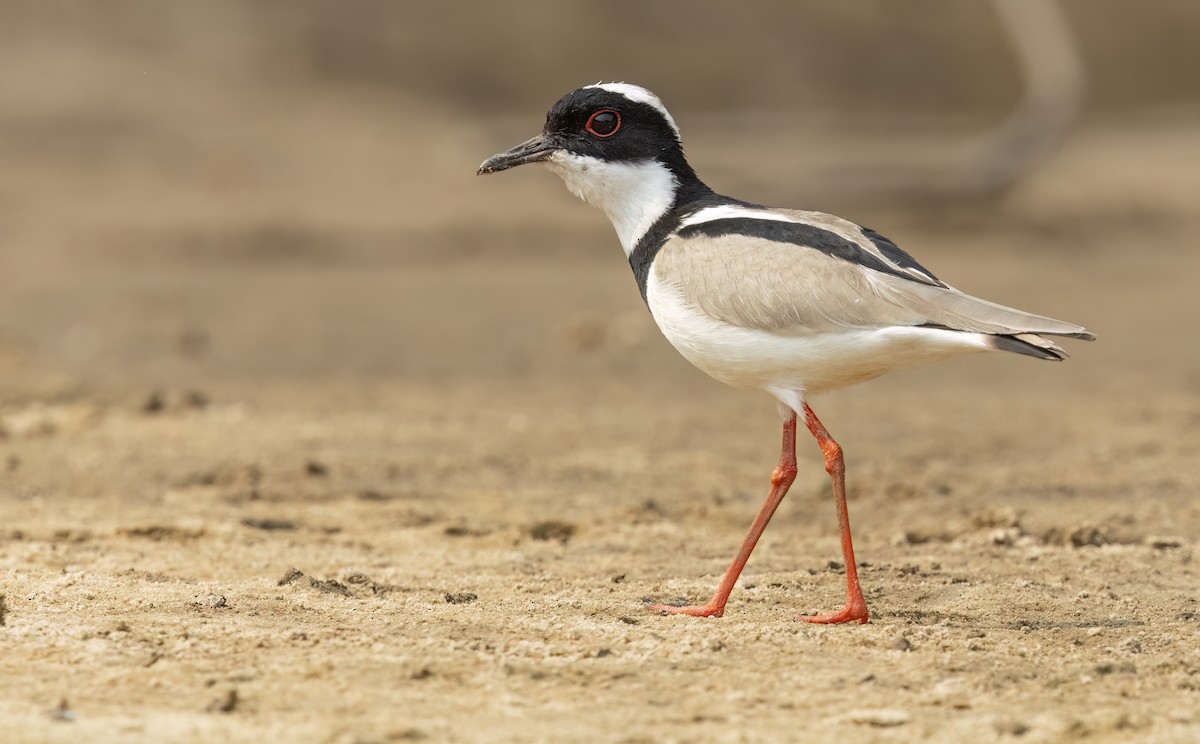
641,95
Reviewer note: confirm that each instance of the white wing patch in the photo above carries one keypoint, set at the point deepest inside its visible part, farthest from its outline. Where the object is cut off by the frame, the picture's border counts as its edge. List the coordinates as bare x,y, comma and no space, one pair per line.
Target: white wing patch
732,211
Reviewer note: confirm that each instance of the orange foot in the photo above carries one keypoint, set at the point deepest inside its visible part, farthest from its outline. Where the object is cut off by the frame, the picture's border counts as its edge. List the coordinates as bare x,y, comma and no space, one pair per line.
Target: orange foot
853,611
706,610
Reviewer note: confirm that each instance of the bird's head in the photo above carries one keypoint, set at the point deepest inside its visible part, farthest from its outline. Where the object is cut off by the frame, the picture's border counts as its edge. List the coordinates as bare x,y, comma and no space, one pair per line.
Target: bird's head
617,147
606,122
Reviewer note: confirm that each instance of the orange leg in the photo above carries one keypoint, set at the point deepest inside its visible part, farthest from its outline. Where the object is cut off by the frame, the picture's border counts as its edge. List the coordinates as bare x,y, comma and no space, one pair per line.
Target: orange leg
781,480
856,606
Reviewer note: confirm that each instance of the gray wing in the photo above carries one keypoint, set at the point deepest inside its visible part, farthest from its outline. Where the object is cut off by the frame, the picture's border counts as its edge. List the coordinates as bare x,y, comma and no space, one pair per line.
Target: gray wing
797,289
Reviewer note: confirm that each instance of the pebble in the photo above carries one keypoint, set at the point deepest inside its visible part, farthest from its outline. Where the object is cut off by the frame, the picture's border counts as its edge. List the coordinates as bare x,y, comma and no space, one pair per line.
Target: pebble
881,717
212,601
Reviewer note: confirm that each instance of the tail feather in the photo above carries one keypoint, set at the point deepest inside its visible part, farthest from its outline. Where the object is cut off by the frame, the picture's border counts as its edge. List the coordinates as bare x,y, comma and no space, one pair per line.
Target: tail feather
1032,345
947,307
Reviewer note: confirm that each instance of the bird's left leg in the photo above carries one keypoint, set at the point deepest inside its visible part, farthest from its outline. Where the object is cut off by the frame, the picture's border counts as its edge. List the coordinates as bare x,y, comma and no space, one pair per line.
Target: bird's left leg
856,605
781,481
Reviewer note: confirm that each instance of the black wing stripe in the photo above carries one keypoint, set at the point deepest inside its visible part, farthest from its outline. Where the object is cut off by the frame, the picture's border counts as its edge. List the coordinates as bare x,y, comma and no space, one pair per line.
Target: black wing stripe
811,236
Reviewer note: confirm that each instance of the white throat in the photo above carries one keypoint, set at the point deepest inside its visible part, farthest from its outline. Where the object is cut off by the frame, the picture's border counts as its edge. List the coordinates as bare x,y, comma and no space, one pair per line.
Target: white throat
633,195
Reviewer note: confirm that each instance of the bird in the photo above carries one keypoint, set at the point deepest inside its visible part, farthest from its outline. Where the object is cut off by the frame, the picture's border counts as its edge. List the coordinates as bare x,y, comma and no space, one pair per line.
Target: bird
788,302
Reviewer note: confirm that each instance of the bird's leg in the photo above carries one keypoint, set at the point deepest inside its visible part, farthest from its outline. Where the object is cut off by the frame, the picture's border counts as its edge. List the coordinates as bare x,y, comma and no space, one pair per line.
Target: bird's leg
781,480
856,606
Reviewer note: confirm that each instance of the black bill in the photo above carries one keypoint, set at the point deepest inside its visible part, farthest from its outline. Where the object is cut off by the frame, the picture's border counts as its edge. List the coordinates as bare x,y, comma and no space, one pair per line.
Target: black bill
531,151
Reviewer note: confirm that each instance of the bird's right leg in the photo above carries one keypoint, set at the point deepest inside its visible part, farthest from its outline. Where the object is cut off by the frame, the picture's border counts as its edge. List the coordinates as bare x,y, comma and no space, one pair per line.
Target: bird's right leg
856,606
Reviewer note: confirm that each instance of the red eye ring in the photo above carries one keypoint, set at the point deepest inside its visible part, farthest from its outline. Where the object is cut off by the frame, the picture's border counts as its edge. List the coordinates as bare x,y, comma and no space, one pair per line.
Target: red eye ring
615,121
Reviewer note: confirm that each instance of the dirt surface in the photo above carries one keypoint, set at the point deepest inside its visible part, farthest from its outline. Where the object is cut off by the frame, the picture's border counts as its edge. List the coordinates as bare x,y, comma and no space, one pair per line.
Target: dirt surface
306,438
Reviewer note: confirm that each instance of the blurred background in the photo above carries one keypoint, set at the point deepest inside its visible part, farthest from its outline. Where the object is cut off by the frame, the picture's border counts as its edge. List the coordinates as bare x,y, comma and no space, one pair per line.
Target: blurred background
197,192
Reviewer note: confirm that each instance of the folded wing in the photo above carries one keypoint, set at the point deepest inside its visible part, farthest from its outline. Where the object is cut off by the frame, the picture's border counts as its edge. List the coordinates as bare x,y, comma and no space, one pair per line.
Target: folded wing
819,274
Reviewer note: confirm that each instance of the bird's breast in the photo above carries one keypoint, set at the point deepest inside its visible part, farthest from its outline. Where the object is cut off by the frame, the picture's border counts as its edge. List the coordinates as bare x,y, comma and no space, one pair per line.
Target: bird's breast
740,357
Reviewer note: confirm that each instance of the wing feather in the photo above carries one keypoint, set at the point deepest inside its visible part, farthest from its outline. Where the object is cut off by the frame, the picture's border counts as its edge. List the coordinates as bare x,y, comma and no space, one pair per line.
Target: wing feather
793,289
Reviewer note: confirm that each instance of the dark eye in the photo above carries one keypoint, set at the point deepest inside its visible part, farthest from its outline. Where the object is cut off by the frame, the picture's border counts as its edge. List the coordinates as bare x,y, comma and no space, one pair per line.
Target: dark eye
604,123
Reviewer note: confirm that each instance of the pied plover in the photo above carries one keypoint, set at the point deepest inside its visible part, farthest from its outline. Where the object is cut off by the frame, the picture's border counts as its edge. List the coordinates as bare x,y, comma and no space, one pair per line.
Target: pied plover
789,302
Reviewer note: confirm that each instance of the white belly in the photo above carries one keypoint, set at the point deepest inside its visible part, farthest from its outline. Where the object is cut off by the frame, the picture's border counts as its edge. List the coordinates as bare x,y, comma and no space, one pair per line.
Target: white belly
808,363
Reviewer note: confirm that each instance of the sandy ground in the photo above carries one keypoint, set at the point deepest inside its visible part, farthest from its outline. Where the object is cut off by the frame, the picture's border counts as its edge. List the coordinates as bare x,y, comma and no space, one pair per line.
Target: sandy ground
338,464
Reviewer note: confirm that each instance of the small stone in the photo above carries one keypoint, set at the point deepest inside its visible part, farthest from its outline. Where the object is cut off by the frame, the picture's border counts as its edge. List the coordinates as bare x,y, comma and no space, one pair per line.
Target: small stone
211,601
315,469
461,597
881,717
154,403
1079,536
329,586
1164,543
1003,517
1011,728
270,524
63,712
552,530
225,704
1005,537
